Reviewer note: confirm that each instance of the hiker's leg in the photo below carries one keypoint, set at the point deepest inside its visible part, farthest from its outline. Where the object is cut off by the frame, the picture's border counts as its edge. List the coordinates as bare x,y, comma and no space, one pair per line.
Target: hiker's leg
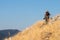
46,21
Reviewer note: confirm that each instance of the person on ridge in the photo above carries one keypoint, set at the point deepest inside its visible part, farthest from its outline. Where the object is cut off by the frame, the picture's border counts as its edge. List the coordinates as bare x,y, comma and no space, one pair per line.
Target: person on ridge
47,16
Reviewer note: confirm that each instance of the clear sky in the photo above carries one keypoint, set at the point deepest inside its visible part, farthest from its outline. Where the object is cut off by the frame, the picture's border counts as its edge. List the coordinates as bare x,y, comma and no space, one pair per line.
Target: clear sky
19,14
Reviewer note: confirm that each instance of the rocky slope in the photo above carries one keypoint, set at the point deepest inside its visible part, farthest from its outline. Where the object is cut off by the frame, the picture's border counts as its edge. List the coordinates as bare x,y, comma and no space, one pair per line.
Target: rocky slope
41,31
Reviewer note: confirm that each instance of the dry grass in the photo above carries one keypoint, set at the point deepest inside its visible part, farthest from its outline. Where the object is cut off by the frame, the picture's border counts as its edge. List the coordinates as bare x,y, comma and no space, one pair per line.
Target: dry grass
40,31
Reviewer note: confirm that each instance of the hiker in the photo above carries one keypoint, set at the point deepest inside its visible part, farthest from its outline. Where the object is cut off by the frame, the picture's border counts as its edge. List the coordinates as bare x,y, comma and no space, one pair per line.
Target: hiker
47,15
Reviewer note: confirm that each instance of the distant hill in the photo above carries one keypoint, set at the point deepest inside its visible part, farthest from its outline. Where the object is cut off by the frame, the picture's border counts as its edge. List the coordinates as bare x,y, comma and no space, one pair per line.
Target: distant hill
8,33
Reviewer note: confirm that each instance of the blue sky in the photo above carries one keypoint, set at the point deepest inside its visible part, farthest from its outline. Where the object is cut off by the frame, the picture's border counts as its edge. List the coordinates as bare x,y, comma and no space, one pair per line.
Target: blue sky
19,14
